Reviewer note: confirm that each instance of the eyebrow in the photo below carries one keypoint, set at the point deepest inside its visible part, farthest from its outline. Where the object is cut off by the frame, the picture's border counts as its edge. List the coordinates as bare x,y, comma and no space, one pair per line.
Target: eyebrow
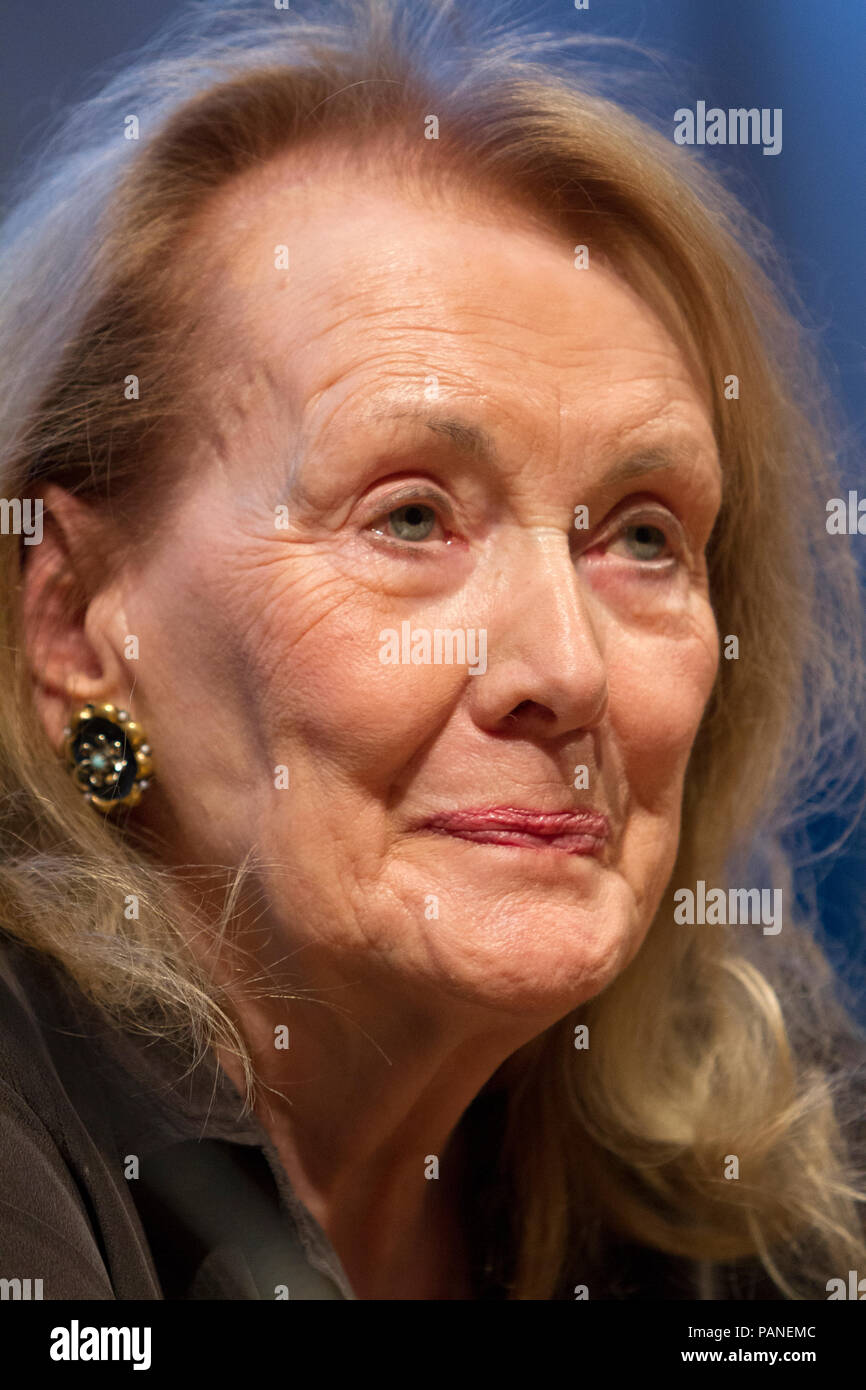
475,442
467,437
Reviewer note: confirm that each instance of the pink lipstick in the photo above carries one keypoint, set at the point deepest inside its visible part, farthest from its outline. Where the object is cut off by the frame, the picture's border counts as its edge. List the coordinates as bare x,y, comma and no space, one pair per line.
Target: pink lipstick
575,832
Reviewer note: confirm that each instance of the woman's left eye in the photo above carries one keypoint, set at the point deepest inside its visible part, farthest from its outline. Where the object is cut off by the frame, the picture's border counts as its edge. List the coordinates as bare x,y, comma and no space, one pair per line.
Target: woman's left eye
644,541
415,521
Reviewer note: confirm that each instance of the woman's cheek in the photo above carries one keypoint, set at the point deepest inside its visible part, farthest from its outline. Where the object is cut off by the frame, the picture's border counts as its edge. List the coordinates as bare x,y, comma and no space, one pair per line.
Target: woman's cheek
359,688
659,686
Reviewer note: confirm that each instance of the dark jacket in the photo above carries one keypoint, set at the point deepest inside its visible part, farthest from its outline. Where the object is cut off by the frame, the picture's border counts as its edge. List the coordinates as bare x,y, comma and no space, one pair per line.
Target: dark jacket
126,1175
211,1213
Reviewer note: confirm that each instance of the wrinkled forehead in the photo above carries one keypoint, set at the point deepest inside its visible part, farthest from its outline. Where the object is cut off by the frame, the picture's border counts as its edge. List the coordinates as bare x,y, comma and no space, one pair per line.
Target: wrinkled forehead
320,278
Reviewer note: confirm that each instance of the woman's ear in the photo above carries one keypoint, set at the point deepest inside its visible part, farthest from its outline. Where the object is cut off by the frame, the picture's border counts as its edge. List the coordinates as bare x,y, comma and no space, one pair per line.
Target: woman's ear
72,620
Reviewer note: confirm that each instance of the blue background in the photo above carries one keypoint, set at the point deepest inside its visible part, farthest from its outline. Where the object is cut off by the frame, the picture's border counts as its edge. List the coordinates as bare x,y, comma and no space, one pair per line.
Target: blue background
806,56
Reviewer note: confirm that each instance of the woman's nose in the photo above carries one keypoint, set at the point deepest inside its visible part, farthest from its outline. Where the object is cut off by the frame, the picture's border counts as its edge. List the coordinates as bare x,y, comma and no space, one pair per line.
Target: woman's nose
546,672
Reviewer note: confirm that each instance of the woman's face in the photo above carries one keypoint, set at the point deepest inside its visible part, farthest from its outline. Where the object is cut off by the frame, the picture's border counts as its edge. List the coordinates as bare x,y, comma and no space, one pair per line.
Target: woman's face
414,411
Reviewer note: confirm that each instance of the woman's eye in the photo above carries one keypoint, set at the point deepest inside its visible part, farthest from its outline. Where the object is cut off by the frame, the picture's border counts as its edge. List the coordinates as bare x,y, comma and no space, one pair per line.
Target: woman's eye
643,541
413,522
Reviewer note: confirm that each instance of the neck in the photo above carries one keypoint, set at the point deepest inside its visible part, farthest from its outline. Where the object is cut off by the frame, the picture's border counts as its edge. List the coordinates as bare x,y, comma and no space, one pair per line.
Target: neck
364,1108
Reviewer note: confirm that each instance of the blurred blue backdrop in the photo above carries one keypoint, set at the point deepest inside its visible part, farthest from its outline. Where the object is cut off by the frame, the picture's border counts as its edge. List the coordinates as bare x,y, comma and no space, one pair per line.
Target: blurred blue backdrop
804,56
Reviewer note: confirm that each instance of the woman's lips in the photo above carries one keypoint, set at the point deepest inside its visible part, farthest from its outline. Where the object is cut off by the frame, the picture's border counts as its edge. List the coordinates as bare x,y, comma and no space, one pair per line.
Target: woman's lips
575,832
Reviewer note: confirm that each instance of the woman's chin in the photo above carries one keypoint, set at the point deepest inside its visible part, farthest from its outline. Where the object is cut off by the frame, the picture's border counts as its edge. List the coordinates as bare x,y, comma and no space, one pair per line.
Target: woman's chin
539,952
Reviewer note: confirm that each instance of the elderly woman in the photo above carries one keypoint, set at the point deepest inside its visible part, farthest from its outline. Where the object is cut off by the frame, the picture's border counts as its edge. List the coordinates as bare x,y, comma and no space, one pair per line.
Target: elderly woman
428,648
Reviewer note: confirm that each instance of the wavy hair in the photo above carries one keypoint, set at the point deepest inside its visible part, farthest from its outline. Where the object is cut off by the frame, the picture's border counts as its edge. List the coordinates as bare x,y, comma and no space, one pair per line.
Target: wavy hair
710,1043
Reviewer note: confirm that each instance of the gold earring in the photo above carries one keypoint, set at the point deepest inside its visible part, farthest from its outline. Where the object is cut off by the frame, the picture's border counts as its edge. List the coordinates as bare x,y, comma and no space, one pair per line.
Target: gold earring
108,757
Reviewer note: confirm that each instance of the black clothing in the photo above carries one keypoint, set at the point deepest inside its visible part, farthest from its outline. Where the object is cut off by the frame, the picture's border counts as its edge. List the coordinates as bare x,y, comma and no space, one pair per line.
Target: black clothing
124,1174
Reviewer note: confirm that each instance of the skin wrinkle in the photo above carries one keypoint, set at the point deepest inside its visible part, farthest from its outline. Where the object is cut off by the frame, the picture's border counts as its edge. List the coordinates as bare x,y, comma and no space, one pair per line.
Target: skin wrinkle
628,465
589,662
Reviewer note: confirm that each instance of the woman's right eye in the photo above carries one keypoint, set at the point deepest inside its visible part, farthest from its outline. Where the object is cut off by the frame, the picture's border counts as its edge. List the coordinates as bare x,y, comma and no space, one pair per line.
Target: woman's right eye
413,522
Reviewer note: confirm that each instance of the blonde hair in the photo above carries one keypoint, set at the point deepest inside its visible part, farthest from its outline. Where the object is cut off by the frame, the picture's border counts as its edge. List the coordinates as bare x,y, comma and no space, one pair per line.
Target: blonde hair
709,1043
